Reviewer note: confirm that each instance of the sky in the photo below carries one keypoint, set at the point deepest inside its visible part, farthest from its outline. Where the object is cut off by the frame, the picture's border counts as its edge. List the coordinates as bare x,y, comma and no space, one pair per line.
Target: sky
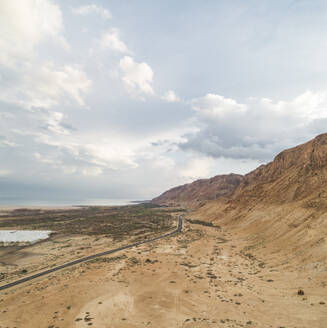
125,99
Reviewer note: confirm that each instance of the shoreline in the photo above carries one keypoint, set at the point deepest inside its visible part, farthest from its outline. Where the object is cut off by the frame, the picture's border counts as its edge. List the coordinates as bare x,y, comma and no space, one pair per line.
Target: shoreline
72,205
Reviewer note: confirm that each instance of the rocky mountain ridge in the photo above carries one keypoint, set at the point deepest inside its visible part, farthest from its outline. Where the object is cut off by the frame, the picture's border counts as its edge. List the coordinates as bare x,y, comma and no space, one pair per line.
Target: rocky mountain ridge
192,194
294,174
280,207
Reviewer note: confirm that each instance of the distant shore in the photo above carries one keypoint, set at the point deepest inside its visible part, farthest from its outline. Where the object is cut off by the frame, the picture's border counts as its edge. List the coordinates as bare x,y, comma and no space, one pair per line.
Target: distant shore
72,205
10,205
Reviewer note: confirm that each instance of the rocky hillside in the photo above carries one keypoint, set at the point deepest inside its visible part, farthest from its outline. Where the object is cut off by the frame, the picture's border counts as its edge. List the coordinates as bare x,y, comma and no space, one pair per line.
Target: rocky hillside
194,193
282,206
294,174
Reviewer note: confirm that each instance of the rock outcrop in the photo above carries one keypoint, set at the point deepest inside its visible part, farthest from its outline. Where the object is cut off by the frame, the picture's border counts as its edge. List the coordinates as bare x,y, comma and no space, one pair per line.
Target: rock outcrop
294,174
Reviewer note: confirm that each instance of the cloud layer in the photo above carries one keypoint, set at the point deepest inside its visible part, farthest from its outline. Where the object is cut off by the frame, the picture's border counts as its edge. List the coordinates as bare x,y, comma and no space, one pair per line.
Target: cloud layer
92,9
256,130
24,25
100,102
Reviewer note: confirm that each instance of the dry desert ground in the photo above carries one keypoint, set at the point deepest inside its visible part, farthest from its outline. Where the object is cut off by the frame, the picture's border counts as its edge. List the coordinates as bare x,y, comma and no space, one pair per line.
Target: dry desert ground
206,276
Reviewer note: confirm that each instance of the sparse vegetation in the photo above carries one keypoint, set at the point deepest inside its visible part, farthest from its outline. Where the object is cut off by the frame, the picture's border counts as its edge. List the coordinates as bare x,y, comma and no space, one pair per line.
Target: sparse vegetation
204,223
116,222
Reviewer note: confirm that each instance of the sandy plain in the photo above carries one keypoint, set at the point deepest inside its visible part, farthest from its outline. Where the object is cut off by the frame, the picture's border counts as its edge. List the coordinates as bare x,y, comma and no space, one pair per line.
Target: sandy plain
204,277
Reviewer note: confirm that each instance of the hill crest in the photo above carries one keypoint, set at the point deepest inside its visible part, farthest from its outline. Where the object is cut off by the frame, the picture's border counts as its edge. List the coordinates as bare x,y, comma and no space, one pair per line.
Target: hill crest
191,194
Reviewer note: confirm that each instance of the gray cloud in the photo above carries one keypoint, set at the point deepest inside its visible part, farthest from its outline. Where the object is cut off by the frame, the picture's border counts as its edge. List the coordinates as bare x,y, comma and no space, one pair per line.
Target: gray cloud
258,129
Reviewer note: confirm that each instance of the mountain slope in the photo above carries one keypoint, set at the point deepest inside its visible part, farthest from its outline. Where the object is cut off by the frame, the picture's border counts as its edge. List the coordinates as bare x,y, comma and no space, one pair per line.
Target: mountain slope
294,174
282,206
201,190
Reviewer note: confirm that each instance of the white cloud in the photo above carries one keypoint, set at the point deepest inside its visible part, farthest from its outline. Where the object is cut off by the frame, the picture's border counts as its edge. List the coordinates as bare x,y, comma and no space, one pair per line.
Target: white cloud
170,96
5,142
23,25
5,115
55,161
137,77
215,106
50,84
113,154
44,159
94,154
308,106
4,173
201,167
197,168
258,129
68,156
110,40
89,155
26,80
92,8
92,171
39,123
46,86
54,122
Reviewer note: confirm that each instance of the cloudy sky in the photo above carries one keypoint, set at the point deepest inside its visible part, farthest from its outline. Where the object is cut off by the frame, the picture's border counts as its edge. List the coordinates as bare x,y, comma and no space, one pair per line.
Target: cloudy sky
124,99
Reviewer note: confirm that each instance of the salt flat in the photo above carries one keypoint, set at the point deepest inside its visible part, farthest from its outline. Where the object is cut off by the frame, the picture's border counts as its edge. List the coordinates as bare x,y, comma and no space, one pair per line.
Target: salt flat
16,236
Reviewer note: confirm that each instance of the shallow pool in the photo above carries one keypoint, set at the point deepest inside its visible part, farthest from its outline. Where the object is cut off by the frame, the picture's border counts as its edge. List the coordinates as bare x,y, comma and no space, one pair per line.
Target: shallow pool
23,236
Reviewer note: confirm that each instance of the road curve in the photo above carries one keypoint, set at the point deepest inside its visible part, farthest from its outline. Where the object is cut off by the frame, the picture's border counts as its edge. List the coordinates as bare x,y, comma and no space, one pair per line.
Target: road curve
91,257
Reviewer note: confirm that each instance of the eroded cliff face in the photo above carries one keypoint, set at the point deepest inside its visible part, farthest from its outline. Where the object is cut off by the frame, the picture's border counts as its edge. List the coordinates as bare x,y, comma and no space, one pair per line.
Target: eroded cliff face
282,206
294,174
193,194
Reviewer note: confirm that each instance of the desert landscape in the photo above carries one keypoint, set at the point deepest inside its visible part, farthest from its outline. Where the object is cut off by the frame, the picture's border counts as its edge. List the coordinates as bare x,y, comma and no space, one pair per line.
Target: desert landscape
163,164
253,257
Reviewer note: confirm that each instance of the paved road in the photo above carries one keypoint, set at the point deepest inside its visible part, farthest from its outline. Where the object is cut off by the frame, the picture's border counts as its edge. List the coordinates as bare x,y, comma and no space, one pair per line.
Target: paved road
87,258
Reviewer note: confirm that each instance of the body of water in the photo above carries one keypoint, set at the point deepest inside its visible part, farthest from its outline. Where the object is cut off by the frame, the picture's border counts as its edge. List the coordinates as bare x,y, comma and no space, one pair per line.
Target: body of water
22,236
61,203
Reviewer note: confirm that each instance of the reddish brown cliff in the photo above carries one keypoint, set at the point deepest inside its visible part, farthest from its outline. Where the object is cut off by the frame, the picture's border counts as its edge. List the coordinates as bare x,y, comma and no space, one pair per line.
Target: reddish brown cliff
282,206
201,190
294,174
